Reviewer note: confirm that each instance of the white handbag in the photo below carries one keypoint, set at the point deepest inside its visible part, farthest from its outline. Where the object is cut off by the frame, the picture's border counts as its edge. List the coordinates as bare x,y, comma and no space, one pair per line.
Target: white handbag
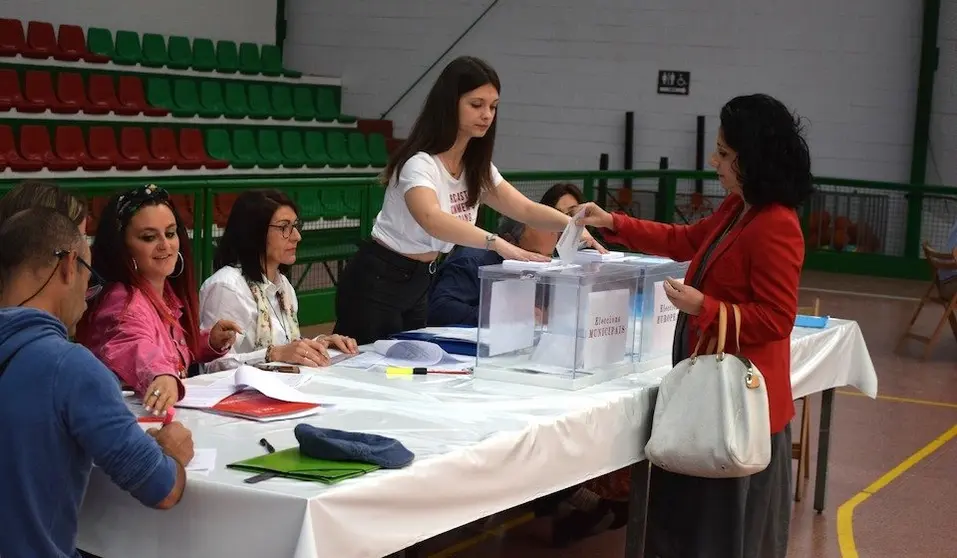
711,416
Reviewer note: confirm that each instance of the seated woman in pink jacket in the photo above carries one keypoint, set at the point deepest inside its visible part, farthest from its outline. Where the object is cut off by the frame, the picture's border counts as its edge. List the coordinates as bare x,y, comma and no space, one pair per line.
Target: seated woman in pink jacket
145,324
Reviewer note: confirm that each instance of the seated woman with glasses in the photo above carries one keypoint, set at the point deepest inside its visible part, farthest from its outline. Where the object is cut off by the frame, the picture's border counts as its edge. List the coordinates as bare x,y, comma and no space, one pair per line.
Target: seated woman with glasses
250,286
145,324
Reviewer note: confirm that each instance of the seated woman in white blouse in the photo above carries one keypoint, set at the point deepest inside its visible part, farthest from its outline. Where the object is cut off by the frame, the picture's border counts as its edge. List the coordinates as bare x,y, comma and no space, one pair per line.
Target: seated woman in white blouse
250,286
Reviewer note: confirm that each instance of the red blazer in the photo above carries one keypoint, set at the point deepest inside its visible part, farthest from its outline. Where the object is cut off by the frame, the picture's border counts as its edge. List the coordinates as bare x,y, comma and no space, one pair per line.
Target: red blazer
756,266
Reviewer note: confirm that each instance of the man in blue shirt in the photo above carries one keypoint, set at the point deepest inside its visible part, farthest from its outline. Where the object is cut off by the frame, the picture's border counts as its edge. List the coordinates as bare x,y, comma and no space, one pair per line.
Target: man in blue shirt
61,409
454,296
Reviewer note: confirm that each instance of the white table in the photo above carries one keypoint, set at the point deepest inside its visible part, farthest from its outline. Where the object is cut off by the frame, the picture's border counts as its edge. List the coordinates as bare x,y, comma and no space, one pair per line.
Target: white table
481,447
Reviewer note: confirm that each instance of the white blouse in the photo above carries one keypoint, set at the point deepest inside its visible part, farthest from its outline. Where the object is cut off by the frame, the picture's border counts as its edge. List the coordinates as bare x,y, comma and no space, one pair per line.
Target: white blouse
226,296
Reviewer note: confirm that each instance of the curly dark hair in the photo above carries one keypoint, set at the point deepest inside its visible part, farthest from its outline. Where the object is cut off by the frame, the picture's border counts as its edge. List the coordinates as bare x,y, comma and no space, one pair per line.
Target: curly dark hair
774,162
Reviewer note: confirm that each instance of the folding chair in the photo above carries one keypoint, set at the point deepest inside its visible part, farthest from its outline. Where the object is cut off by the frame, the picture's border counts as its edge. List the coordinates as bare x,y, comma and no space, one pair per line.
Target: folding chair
801,450
939,261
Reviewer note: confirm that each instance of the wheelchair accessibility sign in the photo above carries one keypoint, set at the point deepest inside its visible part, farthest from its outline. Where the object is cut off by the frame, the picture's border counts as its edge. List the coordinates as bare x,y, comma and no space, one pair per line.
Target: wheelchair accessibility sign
671,82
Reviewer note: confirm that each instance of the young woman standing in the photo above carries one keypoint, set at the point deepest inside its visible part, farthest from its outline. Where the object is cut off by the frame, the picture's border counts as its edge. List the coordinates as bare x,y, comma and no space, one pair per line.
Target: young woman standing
435,183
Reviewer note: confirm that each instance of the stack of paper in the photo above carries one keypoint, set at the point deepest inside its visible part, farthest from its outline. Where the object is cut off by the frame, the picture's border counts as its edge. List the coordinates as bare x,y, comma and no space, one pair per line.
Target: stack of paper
408,353
254,394
203,462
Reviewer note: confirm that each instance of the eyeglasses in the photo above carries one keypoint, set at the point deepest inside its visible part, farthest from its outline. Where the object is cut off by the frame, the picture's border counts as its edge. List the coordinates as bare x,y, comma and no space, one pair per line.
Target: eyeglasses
93,287
286,228
96,282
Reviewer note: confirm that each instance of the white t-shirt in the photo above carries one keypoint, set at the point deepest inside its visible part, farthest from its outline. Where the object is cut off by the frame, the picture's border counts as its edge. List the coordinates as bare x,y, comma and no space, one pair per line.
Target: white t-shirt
394,225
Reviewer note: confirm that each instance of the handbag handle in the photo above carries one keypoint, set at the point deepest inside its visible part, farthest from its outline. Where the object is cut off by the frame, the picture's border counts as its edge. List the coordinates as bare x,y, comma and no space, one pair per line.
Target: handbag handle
722,330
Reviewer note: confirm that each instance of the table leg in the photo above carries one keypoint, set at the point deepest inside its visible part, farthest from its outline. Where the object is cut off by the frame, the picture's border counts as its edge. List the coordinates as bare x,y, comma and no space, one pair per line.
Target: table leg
637,510
823,445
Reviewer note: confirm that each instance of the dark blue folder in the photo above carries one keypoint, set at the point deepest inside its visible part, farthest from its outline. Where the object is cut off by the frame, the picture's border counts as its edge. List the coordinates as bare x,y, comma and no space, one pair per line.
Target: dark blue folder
449,345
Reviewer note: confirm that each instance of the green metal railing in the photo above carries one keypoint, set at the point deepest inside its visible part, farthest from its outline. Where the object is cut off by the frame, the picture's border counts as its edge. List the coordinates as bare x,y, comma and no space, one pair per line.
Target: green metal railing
851,226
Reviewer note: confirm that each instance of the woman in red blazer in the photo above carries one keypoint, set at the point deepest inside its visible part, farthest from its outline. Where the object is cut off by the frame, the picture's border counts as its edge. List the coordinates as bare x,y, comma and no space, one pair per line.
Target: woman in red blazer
750,253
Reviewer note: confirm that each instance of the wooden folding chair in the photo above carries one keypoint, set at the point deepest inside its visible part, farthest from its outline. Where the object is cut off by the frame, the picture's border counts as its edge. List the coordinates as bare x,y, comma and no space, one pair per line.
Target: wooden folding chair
801,450
939,261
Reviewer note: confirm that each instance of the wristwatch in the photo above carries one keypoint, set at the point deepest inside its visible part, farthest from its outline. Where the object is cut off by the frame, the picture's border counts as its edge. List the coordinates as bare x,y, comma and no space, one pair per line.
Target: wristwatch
489,239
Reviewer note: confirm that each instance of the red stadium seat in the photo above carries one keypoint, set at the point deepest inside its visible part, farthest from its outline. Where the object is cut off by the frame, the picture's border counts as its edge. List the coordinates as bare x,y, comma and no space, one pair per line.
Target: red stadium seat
41,40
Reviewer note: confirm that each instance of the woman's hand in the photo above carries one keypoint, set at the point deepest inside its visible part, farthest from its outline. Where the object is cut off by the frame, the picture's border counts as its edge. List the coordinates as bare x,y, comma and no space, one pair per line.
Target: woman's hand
306,352
685,297
341,342
223,335
589,241
162,394
591,215
509,251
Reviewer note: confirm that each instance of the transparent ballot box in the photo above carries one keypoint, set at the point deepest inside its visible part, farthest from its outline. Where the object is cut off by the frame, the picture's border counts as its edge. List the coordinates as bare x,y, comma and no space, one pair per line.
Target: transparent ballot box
655,316
561,326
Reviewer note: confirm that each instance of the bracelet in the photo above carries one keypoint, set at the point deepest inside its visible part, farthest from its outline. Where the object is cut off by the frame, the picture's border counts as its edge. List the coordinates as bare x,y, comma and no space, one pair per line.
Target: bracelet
489,239
268,352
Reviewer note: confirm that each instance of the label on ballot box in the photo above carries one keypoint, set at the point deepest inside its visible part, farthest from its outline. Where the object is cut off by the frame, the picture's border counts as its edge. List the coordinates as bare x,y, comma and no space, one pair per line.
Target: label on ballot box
663,320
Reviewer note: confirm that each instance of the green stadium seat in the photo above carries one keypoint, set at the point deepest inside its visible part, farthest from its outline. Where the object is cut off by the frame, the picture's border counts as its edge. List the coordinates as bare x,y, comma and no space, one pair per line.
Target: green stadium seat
219,146
245,150
282,108
326,110
186,98
236,104
227,57
338,149
154,51
358,152
259,105
293,151
100,41
316,154
271,63
378,152
249,62
159,94
128,51
211,102
270,152
180,53
204,55
303,105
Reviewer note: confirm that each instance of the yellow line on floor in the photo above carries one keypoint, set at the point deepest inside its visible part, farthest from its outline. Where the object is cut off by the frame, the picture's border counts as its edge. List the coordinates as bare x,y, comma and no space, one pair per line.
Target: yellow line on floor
496,531
845,513
904,399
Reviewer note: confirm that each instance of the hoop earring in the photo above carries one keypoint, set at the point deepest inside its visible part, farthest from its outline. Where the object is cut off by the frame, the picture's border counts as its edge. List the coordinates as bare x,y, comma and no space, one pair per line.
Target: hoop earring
182,266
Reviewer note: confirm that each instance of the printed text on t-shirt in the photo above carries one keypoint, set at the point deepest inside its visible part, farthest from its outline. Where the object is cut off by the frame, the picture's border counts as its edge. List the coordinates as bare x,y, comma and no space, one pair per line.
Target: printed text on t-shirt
459,207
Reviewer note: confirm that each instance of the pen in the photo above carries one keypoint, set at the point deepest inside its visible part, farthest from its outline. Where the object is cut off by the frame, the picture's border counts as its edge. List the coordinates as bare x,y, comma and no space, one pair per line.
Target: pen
267,474
395,370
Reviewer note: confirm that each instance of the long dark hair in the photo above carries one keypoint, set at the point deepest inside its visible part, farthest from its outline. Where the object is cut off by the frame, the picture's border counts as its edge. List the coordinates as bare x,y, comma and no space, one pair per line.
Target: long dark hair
773,163
437,126
111,259
244,240
560,190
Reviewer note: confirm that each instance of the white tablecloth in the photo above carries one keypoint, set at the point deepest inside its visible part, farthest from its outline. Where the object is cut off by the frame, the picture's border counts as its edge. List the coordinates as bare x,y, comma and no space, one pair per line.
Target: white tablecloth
481,447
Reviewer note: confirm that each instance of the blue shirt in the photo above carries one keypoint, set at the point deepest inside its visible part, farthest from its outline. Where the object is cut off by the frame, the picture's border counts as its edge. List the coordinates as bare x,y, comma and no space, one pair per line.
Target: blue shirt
454,296
61,409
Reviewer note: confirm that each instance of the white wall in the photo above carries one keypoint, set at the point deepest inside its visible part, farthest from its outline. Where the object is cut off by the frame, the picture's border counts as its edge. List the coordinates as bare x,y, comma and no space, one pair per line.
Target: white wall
234,20
571,69
942,156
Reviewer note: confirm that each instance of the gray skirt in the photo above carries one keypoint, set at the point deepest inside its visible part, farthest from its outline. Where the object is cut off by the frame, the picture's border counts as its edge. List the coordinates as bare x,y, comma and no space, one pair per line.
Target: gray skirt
746,517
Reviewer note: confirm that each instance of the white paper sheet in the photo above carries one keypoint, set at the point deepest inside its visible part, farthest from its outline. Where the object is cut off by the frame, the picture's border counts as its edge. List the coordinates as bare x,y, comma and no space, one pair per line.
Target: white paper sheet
405,353
271,384
511,316
570,239
606,328
203,462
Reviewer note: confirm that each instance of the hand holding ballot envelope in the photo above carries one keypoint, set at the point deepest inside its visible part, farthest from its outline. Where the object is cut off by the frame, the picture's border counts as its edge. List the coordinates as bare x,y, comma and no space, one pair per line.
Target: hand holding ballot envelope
590,214
684,297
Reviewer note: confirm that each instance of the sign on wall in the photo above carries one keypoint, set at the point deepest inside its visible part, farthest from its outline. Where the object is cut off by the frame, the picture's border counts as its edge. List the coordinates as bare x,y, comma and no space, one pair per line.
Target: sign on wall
671,82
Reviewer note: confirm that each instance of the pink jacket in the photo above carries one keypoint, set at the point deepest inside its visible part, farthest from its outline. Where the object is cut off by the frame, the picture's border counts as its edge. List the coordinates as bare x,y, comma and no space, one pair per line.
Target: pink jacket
137,344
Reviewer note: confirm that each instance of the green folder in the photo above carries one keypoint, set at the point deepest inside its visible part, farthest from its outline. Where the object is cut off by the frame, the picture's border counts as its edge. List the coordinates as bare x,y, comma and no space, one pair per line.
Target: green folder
292,464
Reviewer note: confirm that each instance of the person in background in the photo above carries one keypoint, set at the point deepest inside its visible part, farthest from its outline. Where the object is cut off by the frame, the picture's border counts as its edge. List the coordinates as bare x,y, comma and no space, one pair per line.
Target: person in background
454,295
749,252
61,409
251,287
35,193
145,325
436,181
